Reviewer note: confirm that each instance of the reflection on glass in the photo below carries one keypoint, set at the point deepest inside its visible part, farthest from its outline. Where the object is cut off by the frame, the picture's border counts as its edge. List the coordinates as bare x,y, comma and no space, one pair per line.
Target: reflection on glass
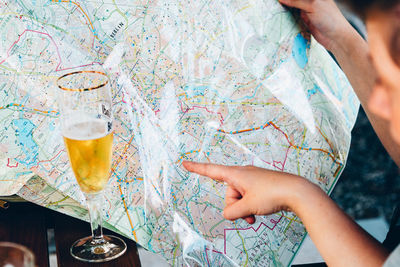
15,255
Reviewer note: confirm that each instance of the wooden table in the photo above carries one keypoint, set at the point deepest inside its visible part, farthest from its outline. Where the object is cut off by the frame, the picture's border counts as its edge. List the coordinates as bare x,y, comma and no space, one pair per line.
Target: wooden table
27,224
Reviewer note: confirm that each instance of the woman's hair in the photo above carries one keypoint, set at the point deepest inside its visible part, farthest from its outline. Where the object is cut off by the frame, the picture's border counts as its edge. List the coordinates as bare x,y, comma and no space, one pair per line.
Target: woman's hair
362,6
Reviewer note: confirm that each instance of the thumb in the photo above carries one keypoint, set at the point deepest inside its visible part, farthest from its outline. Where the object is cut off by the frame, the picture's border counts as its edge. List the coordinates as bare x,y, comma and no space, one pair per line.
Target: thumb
238,209
300,4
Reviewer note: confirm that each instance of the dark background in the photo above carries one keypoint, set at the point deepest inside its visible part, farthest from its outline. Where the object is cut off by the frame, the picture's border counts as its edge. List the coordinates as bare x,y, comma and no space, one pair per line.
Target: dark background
369,186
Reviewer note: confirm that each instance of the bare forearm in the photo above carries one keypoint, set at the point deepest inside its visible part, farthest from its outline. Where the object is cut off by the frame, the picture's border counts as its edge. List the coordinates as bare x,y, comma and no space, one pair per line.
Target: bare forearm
352,54
338,238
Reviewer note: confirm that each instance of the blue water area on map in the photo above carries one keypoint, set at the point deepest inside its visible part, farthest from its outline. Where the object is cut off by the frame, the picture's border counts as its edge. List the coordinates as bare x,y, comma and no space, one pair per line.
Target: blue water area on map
299,51
23,132
338,93
313,91
51,126
193,90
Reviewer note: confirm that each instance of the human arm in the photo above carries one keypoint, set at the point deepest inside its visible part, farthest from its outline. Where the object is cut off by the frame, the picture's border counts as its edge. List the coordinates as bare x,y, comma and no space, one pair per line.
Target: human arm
332,30
255,191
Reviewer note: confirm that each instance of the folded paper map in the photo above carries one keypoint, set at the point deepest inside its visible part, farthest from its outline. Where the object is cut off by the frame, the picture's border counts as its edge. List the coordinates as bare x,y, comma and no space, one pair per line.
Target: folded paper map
228,82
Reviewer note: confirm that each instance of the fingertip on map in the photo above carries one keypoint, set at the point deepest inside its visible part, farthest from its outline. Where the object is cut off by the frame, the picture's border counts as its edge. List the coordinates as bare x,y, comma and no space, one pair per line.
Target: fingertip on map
187,164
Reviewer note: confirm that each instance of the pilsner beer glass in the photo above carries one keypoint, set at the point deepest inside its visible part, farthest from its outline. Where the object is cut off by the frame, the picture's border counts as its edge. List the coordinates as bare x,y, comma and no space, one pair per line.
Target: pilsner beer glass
87,127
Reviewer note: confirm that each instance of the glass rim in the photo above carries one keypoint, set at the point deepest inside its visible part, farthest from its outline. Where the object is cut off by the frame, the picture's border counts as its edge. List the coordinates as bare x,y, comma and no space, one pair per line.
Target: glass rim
18,246
81,89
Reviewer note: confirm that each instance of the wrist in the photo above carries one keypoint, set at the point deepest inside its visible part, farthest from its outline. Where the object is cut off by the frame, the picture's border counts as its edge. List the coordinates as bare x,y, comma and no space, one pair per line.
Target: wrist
303,195
347,42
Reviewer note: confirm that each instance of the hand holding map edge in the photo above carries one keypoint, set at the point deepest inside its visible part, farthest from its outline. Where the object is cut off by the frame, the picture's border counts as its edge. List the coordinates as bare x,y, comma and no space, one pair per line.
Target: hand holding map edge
331,29
324,20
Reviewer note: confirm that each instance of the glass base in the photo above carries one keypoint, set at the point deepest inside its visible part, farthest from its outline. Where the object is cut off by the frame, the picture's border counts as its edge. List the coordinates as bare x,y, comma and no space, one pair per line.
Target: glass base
89,250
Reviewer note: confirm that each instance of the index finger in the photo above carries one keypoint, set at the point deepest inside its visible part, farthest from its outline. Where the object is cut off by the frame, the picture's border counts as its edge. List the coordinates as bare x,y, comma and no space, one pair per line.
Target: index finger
216,172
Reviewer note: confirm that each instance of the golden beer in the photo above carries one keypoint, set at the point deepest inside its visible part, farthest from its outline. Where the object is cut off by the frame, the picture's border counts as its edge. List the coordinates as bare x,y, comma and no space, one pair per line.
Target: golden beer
89,147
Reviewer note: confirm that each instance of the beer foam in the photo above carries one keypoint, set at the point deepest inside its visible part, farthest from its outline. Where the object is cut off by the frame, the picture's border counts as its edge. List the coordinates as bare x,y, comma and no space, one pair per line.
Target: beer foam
86,130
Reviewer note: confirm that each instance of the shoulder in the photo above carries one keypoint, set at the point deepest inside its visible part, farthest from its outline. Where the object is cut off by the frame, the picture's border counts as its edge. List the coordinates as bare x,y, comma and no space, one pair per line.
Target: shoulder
394,258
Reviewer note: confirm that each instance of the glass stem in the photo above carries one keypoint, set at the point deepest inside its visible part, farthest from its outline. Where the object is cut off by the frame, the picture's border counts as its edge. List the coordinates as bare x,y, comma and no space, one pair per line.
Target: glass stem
94,204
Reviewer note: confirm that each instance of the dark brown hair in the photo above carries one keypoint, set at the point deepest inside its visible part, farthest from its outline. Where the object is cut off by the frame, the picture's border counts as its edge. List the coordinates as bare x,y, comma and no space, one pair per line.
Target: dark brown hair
361,7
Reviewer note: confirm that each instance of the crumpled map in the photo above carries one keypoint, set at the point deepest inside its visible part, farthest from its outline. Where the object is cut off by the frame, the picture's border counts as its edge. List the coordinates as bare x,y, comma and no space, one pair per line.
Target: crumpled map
228,82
